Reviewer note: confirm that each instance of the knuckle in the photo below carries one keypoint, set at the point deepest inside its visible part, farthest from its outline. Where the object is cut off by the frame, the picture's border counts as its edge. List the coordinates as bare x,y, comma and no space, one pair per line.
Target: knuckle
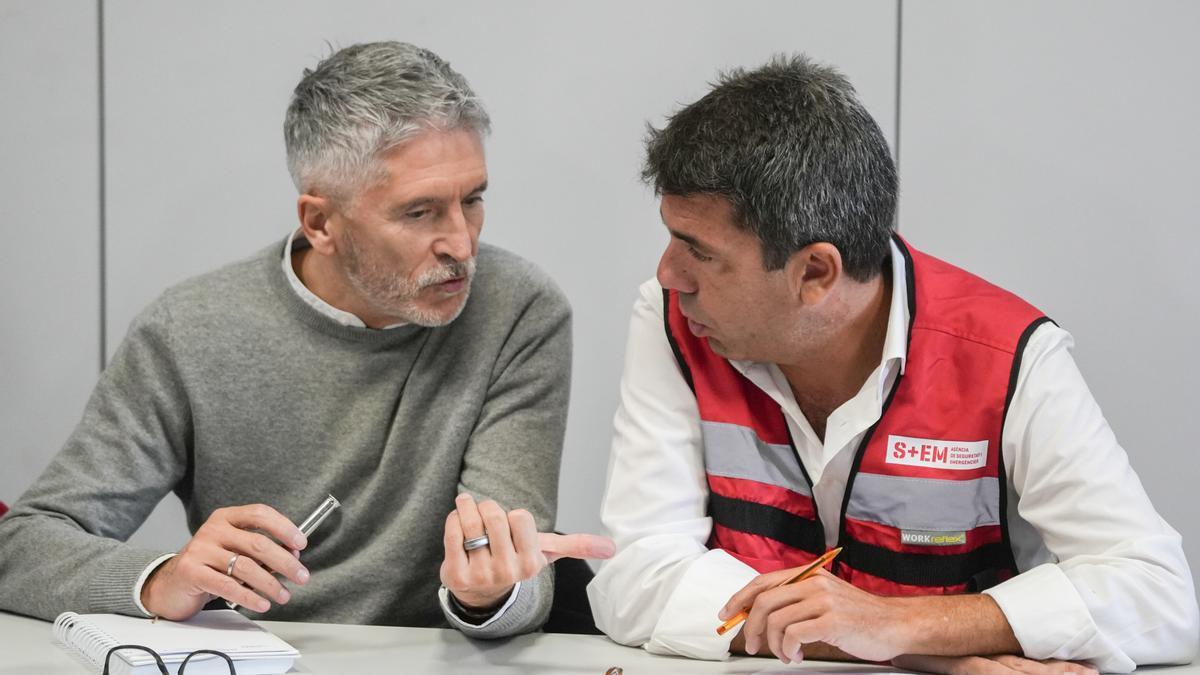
759,603
228,586
515,572
530,568
776,623
259,545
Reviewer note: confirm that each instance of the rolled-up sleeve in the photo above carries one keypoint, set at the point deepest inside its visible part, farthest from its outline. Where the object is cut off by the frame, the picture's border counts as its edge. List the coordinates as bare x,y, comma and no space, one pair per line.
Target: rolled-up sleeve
1117,590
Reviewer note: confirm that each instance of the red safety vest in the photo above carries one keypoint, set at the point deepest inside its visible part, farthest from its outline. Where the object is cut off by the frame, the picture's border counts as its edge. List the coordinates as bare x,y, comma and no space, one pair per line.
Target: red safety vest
924,510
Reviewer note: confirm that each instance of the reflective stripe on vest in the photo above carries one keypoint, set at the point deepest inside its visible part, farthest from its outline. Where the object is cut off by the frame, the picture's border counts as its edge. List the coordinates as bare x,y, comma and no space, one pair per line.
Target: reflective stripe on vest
925,501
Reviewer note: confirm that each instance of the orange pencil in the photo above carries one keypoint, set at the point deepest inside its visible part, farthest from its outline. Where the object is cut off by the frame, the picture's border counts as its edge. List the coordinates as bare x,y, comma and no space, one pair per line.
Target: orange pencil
800,576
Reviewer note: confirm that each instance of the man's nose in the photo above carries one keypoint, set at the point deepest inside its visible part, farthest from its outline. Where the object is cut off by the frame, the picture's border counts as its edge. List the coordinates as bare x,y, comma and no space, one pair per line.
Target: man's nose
672,272
458,239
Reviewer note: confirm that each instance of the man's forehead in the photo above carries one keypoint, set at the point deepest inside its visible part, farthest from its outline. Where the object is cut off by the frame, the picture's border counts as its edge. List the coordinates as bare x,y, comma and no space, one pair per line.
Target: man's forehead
435,161
698,207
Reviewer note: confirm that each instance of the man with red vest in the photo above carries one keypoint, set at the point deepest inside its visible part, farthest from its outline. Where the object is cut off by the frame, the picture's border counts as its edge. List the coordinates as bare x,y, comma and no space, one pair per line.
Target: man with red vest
799,377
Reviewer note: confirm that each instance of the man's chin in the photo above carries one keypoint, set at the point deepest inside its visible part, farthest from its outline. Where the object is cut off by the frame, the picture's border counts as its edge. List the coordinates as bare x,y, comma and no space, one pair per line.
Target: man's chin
717,347
435,314
721,349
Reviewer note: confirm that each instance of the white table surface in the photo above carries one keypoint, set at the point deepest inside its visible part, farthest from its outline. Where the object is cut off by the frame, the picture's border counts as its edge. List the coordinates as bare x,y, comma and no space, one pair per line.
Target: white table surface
328,649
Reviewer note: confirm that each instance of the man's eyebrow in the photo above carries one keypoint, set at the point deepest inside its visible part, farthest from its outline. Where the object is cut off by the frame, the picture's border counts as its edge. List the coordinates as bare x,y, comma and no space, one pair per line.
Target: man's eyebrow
401,209
685,238
405,207
689,240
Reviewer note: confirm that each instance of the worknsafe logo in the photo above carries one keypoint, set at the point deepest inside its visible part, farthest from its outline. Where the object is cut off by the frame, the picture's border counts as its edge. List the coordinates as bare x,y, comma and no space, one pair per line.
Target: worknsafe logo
926,538
931,453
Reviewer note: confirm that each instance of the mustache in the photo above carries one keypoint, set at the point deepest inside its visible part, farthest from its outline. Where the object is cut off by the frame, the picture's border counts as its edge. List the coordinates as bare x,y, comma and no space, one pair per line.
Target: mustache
446,272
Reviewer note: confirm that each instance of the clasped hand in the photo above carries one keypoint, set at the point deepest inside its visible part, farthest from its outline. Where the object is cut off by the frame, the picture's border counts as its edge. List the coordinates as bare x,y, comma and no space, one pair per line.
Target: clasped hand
483,578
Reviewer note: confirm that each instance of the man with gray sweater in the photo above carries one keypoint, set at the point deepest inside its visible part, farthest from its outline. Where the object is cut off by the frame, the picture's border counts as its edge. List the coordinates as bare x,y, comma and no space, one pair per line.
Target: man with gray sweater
380,354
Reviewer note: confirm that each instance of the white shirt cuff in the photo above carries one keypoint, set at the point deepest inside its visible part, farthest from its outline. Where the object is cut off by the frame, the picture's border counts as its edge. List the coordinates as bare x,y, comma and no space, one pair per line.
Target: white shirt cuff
1051,621
688,623
141,581
444,598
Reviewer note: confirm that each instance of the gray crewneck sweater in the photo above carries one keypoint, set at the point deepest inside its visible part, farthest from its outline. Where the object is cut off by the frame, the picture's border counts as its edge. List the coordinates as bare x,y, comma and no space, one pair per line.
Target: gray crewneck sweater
230,389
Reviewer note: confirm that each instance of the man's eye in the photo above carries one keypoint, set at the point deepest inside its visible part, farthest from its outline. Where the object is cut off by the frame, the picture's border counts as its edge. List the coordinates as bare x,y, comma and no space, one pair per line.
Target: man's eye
417,215
473,201
697,254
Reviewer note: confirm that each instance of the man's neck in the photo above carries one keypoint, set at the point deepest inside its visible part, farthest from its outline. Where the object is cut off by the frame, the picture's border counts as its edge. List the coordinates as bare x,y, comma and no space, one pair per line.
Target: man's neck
828,374
322,277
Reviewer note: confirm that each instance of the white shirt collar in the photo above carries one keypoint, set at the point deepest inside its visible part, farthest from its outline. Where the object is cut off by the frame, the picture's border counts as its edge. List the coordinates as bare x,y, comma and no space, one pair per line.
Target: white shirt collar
895,342
343,317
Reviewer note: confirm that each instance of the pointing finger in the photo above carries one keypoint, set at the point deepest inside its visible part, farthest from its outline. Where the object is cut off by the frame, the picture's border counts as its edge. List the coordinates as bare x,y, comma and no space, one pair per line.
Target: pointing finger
582,546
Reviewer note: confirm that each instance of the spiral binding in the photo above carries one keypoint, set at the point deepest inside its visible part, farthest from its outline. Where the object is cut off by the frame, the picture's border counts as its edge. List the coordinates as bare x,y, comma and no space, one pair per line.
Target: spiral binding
88,643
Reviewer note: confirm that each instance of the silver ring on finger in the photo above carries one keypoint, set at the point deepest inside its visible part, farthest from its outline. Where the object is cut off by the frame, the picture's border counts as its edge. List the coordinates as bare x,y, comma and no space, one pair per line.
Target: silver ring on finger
475,543
232,561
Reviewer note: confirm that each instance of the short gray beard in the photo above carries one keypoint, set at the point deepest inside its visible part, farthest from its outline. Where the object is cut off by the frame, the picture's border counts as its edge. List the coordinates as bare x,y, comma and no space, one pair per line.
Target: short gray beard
395,295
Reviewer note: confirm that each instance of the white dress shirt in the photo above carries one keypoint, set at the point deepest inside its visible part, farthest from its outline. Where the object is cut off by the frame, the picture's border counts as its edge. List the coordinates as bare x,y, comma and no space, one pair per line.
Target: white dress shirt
1103,577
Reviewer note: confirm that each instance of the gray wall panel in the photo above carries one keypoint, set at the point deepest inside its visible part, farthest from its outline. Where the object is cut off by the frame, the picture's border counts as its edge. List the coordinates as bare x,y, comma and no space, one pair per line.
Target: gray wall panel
1050,147
49,263
197,177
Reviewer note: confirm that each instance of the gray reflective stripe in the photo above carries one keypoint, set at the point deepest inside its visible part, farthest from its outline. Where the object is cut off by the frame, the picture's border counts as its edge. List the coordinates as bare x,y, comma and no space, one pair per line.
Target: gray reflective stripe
925,503
735,451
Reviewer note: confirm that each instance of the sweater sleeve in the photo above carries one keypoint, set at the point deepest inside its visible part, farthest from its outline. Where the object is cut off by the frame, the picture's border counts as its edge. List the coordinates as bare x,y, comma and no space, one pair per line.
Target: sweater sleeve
515,450
63,541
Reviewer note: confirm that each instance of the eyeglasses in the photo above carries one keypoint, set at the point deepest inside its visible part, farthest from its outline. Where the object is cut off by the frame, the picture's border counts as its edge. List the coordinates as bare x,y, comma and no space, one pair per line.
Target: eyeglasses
162,667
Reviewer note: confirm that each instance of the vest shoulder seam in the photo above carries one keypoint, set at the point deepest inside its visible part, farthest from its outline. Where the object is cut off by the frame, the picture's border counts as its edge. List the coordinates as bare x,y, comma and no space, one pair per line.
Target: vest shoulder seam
969,337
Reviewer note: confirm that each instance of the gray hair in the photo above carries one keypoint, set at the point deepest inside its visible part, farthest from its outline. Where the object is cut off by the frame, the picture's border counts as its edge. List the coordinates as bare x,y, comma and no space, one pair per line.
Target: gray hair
364,100
795,153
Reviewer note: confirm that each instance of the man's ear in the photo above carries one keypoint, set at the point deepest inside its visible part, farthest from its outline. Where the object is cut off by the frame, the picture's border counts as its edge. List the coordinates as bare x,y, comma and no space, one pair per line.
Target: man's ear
813,272
316,213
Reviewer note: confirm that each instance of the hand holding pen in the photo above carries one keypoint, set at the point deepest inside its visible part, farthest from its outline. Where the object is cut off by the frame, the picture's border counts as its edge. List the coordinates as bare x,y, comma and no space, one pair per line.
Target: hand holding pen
803,574
236,544
306,528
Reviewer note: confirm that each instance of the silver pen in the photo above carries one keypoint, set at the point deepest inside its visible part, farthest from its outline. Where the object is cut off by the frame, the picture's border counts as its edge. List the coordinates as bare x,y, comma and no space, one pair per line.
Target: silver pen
309,525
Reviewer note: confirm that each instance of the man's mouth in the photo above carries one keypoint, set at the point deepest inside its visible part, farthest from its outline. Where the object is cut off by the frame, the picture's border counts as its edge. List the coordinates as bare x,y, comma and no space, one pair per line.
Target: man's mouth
451,286
695,326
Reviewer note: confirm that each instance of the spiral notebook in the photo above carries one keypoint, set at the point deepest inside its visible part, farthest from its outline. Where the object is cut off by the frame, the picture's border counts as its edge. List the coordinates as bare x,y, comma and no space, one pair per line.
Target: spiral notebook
254,651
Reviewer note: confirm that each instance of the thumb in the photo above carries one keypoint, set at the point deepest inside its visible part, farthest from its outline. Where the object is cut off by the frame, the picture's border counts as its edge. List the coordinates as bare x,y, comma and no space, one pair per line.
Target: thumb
583,546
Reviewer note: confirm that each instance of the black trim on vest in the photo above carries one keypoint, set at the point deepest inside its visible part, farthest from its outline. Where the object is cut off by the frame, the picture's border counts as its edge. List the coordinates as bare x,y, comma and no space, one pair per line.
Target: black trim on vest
1018,354
803,471
767,521
910,285
843,537
683,366
974,568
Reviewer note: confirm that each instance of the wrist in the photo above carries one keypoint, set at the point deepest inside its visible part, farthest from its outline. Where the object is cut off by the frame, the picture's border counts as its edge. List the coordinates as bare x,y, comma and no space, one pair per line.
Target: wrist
477,615
484,604
907,623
